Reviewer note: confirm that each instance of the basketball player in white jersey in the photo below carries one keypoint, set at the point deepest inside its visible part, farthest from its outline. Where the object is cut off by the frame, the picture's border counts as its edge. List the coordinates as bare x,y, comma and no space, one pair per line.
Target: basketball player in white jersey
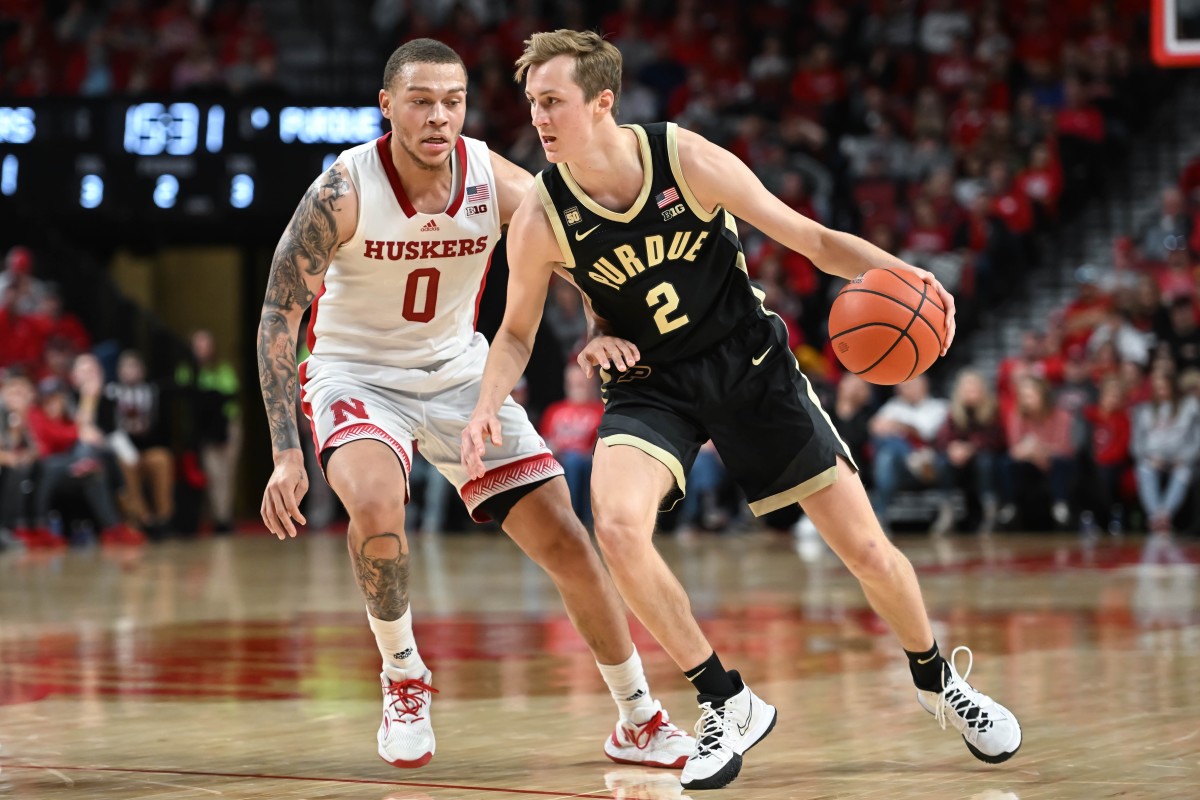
391,247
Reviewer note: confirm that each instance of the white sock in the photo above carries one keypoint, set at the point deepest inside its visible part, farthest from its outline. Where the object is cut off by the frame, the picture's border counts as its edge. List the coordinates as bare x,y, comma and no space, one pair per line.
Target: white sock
627,684
397,645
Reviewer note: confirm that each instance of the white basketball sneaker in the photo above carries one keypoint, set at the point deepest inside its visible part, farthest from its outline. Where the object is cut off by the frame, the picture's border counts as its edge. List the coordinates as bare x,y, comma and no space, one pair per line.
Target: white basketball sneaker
990,730
648,739
723,734
406,734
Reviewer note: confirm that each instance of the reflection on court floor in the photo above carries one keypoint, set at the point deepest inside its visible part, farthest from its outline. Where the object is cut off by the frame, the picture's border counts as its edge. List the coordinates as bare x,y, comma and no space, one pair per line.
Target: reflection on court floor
243,668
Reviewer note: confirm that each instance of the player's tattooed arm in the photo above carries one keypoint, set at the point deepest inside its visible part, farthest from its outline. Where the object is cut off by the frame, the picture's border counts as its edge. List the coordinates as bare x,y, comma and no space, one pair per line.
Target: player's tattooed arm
381,568
324,218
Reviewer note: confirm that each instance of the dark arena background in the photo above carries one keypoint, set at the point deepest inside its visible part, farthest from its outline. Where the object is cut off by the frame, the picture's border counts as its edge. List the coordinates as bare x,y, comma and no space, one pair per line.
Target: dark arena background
1041,158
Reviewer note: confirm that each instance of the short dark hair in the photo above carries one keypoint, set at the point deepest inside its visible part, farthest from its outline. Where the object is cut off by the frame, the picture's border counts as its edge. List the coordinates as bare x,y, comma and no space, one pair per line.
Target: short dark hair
419,51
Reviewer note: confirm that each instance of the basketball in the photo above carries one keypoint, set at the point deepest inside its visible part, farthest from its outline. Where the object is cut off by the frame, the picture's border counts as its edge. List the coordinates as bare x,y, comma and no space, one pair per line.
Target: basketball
886,326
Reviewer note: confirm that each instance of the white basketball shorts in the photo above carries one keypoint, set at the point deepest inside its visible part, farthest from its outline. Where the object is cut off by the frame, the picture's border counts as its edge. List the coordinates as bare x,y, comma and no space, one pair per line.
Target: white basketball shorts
345,402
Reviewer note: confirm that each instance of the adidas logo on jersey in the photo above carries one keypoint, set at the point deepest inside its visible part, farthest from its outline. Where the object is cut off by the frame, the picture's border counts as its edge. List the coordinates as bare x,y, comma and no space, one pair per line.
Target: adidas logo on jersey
429,226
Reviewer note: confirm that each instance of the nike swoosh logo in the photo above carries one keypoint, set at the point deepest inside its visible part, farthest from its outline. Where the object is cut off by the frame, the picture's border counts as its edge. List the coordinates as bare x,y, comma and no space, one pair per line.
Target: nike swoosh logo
757,361
743,728
927,660
698,674
581,235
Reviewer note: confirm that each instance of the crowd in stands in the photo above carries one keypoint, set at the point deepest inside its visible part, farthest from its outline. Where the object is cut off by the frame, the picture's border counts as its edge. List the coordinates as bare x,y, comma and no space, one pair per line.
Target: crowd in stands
92,49
954,134
88,450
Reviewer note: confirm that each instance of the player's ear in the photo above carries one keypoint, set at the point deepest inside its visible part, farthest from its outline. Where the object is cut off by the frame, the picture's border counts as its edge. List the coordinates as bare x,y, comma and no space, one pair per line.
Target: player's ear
604,100
385,104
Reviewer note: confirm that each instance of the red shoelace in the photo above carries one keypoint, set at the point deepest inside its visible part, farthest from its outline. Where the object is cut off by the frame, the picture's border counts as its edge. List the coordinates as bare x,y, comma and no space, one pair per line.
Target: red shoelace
646,731
409,694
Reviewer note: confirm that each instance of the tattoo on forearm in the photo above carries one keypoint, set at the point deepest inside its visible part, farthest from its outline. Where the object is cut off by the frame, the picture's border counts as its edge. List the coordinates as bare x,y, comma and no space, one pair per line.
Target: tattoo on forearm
277,374
383,579
304,251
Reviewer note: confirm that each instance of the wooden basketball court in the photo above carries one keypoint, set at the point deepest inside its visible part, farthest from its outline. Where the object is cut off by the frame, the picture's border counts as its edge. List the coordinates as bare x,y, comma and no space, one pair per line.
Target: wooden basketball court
244,668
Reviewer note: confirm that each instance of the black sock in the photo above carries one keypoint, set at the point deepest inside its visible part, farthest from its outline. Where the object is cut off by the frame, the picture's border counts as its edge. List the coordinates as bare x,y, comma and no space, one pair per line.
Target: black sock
710,678
927,669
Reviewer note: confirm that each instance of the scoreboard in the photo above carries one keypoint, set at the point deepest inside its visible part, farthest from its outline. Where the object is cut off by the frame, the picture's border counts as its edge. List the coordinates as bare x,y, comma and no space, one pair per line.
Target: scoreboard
170,164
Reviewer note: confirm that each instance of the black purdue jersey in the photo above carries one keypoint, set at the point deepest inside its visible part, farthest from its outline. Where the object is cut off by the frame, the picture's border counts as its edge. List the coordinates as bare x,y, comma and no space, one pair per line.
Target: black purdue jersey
667,276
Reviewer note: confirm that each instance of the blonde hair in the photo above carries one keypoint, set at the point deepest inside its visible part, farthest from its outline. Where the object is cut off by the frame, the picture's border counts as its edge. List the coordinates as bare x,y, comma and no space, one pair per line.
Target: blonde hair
597,62
985,411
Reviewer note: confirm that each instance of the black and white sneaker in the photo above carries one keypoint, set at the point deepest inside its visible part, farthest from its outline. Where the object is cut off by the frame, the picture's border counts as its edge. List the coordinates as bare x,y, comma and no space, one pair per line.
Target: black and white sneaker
990,730
723,734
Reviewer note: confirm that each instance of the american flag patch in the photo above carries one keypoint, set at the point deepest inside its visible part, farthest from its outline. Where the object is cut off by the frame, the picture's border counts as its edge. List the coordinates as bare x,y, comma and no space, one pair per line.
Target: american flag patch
667,198
477,194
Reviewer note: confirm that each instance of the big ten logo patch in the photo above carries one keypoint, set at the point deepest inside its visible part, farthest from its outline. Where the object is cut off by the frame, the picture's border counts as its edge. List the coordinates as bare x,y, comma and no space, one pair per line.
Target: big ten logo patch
480,208
673,211
573,216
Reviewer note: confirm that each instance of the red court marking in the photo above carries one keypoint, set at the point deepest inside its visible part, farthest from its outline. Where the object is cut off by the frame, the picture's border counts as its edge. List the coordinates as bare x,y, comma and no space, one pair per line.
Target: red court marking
137,771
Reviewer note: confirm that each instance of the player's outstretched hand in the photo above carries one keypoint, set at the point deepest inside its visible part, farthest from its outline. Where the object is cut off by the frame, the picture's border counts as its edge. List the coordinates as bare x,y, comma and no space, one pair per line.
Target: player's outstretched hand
604,351
281,500
479,431
947,302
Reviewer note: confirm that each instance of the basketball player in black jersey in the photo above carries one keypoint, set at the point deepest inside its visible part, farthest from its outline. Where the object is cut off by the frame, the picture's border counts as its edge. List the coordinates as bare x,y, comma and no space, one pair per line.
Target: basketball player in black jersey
641,220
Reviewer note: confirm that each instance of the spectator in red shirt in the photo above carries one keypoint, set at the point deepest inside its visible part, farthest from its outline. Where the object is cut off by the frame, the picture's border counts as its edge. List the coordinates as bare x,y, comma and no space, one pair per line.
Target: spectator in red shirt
968,120
1042,181
569,428
1109,455
1009,203
65,455
20,342
928,235
954,70
1077,119
819,83
54,323
1038,41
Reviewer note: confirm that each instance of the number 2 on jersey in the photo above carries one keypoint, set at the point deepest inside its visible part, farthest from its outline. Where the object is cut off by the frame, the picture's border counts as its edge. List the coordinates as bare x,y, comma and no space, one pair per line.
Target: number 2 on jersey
665,293
429,298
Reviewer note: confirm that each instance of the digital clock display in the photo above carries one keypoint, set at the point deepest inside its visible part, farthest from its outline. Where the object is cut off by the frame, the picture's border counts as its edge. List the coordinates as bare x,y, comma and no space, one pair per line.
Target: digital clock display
115,163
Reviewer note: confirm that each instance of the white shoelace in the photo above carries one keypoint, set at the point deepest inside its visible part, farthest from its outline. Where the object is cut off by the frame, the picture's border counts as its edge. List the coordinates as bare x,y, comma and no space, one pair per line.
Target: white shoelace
959,696
709,730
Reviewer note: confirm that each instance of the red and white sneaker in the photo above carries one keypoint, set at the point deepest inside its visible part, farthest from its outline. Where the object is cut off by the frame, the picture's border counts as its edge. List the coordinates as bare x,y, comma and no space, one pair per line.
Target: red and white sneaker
649,740
406,734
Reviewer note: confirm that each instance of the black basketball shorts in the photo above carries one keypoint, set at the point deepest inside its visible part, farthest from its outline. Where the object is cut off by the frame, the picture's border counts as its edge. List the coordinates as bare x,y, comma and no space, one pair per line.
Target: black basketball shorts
749,396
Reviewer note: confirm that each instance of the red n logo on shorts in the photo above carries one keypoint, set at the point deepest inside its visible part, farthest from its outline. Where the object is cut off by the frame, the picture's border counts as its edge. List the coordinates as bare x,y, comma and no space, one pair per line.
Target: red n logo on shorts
351,407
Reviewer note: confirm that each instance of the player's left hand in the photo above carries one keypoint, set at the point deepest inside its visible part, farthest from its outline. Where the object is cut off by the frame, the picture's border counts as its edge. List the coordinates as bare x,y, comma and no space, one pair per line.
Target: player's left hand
946,298
604,351
479,430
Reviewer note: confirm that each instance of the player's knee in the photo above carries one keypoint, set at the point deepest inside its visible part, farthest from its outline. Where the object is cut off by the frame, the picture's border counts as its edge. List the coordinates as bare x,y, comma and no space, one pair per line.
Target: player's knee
566,553
374,513
621,536
874,561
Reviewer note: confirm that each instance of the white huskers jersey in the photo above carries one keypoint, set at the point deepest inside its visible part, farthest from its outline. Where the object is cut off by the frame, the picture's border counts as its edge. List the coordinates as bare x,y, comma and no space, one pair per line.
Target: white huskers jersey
404,292
395,355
